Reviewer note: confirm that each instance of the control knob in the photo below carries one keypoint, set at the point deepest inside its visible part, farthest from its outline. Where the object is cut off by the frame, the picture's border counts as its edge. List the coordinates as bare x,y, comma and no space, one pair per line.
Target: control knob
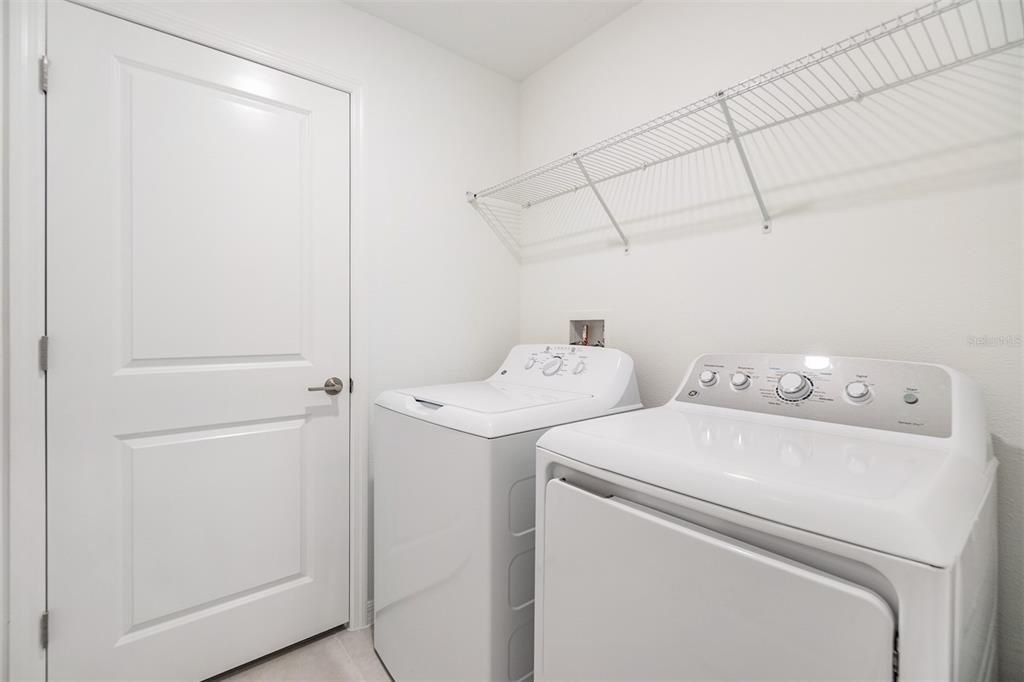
858,391
530,362
793,386
578,369
552,366
739,381
708,378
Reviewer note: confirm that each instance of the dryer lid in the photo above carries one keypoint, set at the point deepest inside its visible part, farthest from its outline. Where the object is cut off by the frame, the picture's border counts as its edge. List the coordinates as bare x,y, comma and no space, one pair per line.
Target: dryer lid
913,502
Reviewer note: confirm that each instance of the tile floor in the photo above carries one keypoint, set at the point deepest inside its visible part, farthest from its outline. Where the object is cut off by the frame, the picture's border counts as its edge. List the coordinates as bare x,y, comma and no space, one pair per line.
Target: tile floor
343,656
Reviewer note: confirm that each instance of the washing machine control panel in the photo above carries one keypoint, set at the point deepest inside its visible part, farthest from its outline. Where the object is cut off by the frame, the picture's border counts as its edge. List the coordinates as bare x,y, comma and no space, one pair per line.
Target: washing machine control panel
580,369
882,394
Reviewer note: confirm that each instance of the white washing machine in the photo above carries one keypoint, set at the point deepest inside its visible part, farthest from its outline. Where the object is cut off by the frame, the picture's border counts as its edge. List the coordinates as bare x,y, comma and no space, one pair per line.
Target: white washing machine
783,517
453,509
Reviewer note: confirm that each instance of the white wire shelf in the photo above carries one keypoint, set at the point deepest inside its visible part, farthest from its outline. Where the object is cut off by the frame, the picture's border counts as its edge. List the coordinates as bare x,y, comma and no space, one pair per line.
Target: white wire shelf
930,40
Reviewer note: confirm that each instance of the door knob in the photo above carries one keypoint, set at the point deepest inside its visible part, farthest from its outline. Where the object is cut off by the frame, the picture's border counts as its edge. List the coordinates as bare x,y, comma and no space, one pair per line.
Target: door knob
332,386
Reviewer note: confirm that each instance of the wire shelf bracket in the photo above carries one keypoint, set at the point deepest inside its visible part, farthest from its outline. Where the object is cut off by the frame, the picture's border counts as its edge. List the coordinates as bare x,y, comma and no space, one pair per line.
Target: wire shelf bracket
766,224
933,39
600,200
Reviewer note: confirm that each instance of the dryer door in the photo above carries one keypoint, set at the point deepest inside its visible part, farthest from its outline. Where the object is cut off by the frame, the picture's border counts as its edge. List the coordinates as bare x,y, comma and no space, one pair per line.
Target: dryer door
629,593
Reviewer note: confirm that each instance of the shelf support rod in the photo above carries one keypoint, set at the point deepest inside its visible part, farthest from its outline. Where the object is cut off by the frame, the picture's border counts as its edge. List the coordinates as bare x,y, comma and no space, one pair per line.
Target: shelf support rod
766,221
600,200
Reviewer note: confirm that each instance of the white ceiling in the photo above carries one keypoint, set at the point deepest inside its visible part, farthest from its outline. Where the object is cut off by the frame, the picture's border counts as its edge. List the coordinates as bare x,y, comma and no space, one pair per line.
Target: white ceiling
511,37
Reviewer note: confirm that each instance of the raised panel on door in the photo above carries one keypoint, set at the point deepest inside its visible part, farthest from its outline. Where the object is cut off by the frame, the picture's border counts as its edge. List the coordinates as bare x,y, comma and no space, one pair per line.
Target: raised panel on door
233,219
197,285
630,593
178,508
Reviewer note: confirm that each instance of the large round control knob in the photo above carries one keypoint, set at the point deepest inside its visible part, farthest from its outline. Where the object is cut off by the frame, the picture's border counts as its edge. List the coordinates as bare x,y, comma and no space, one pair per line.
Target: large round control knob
739,381
708,378
858,391
793,386
551,367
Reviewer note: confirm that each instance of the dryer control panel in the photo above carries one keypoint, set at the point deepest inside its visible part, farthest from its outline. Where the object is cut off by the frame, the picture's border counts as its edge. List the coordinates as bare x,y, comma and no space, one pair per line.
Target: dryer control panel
907,397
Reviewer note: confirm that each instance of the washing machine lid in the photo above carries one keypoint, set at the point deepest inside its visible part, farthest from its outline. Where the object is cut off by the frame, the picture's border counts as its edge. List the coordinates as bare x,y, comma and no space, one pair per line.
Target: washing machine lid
492,409
536,387
914,502
490,397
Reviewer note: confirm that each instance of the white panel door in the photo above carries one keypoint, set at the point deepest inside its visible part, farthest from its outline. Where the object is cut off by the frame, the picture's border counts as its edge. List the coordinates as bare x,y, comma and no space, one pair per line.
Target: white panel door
197,285
629,593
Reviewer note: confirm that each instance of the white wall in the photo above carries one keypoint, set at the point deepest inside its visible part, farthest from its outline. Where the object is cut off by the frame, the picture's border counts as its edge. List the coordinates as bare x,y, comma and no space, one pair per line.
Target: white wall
882,265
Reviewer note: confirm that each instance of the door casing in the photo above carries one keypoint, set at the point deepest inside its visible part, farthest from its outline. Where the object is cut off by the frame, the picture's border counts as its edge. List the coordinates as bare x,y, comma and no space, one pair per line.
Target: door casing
23,548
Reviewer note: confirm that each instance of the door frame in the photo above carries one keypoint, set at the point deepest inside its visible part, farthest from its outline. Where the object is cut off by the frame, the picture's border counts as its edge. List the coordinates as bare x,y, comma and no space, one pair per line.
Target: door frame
22,271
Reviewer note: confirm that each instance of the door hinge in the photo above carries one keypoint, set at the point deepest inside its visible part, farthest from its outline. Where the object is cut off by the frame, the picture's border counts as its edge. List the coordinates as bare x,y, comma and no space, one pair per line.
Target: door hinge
44,629
44,74
351,385
44,353
896,656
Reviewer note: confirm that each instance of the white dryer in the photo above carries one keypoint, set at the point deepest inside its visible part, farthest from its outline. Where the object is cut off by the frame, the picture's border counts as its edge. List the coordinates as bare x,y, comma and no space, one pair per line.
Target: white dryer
783,517
453,490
